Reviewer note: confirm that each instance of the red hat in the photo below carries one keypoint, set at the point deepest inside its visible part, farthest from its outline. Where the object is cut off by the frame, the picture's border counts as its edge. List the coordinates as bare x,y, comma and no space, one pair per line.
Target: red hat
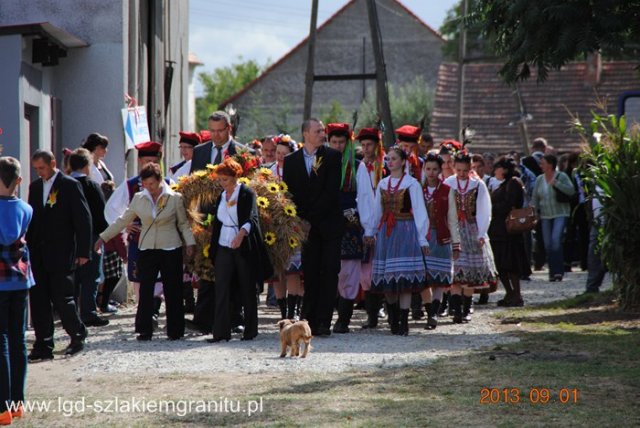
189,138
408,133
369,134
451,145
341,129
205,135
149,148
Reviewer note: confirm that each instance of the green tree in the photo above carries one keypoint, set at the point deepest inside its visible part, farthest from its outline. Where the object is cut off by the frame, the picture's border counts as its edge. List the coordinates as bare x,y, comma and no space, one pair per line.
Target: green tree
477,43
614,160
546,34
334,113
221,83
410,104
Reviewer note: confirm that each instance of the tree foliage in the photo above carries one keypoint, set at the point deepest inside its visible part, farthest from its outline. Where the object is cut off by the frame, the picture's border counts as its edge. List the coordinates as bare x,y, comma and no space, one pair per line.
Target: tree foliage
614,159
409,103
477,43
546,34
221,83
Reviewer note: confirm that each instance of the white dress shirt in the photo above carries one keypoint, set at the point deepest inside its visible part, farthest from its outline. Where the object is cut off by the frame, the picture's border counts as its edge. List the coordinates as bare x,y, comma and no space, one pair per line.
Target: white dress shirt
214,151
46,187
228,216
309,159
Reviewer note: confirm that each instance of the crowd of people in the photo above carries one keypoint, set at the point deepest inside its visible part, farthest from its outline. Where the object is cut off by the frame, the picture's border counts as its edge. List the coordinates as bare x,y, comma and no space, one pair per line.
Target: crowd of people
416,228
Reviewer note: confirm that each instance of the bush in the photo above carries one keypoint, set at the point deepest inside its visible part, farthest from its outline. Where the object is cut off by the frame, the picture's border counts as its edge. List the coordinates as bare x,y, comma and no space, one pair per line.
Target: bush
614,159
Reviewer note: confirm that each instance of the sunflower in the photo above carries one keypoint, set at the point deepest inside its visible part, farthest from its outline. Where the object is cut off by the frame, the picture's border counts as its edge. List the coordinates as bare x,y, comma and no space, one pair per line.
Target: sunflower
205,250
201,173
293,242
273,188
270,238
174,186
244,180
265,171
283,186
263,202
211,167
290,210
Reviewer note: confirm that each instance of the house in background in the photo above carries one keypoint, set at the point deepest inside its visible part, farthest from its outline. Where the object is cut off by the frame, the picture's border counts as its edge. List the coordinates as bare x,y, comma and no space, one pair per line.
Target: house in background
411,49
67,65
491,109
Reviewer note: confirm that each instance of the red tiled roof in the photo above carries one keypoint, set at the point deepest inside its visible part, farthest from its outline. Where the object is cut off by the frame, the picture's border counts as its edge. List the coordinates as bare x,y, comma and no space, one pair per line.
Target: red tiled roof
489,104
303,43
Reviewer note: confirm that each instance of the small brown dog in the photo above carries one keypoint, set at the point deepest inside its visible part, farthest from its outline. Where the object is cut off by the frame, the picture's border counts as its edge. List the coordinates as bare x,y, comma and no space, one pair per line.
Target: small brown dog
291,334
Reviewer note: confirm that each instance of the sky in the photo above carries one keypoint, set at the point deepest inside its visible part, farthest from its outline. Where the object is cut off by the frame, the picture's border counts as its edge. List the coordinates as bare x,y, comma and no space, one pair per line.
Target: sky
221,31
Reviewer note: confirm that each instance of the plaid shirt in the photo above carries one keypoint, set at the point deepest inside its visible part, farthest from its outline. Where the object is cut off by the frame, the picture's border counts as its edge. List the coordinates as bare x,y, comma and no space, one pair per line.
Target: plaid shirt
15,273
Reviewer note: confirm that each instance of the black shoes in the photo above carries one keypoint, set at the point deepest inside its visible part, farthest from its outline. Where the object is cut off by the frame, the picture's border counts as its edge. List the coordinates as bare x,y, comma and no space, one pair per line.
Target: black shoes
403,329
36,356
218,339
143,337
96,322
74,347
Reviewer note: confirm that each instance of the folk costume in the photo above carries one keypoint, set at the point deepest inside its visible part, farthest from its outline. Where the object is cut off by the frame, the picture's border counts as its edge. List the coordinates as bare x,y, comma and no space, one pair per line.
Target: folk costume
369,175
398,262
184,166
351,246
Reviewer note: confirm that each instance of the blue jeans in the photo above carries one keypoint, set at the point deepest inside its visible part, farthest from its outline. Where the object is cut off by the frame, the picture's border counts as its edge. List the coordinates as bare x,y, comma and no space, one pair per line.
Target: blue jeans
13,346
552,231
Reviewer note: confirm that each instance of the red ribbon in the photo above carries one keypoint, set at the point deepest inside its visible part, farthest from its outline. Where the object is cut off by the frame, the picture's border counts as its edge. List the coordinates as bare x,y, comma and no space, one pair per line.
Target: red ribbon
390,219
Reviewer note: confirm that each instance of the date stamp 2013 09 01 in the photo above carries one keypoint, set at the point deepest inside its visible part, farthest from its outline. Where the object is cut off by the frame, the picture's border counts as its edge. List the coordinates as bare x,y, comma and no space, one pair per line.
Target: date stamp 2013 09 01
537,395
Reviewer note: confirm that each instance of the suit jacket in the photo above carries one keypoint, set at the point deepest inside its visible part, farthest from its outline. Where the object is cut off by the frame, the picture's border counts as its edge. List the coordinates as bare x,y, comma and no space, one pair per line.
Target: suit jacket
95,198
317,195
162,232
61,231
252,247
202,154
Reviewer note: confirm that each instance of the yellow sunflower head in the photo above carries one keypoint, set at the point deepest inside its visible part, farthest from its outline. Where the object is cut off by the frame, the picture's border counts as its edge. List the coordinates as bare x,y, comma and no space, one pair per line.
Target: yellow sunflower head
273,188
290,210
201,173
270,238
244,180
211,167
293,242
265,171
283,186
174,186
262,202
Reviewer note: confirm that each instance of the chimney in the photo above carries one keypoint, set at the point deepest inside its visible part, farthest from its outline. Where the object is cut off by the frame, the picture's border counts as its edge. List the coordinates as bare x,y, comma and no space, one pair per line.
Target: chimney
594,69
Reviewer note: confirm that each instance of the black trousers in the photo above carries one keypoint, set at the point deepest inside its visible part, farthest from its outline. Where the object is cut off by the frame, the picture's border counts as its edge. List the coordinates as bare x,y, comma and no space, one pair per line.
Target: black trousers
205,305
55,288
321,266
169,264
229,265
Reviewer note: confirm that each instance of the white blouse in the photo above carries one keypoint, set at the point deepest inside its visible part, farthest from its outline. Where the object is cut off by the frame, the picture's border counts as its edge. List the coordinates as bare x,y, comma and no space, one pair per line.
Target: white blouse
228,216
366,196
483,202
420,216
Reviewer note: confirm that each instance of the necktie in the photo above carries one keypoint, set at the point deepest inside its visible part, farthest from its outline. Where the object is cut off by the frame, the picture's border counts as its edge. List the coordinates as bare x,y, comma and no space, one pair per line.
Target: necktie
218,158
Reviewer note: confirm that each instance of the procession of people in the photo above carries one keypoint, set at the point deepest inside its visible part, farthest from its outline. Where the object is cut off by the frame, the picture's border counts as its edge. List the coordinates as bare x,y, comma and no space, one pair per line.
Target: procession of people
416,225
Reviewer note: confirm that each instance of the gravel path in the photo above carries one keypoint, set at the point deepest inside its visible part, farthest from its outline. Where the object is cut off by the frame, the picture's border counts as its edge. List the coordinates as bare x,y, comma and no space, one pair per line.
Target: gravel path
113,349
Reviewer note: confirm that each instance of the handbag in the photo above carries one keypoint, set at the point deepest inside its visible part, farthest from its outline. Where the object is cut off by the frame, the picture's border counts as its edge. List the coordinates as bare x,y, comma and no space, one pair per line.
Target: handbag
561,197
521,220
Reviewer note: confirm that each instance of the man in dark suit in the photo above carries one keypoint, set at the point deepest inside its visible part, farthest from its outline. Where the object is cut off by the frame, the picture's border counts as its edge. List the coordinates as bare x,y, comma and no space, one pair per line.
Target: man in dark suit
87,277
59,240
221,145
313,176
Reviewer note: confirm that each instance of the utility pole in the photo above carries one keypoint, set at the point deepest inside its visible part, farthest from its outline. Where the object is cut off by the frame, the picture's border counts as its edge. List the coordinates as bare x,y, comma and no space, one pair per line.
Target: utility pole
522,120
381,75
308,81
462,47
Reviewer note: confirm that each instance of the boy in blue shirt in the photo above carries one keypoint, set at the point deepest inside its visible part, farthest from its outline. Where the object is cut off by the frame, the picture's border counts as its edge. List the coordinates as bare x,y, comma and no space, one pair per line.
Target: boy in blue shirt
15,281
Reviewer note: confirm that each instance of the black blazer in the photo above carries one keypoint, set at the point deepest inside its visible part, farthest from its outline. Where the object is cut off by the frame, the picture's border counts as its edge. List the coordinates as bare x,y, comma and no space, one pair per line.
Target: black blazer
202,154
60,233
317,196
253,247
95,199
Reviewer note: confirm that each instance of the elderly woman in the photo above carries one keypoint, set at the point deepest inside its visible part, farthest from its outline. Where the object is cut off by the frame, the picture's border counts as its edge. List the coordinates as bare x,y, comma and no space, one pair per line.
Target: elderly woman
508,250
237,251
97,145
551,186
164,229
